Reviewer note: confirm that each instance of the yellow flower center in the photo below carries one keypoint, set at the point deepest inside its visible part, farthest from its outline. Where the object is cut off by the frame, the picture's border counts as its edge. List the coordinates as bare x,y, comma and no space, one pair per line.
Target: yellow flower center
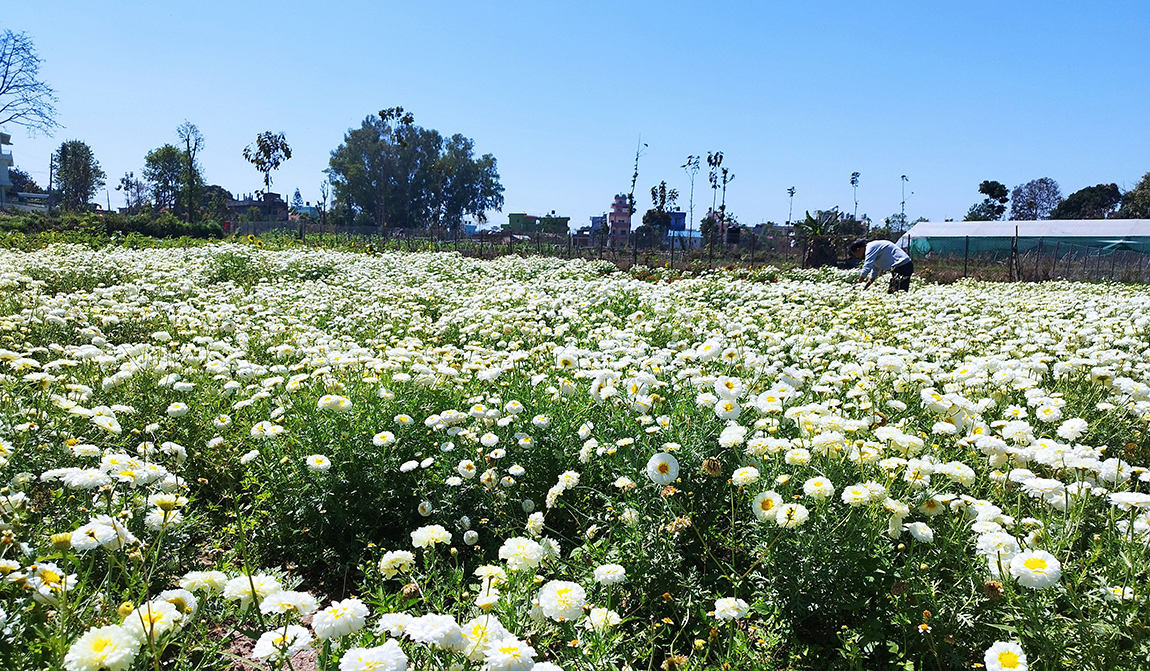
1008,660
1034,564
663,468
100,644
767,504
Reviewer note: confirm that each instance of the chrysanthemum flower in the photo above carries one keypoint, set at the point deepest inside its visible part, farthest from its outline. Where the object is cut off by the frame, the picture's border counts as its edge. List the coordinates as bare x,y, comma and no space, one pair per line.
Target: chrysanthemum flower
386,657
288,601
317,463
240,588
509,654
282,642
109,647
340,618
429,536
1036,569
765,505
730,608
610,574
1005,656
663,468
791,515
562,600
521,554
744,476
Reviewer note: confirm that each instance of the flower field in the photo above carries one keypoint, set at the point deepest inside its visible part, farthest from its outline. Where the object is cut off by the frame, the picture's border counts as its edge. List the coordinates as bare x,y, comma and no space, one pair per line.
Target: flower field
231,457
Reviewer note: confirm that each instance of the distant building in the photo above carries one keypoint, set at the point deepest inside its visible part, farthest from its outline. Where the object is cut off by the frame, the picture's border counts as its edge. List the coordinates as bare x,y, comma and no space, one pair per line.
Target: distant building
5,163
619,221
271,207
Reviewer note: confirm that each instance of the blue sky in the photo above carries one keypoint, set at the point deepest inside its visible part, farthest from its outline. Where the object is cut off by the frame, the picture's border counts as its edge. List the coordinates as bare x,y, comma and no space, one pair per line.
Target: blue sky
794,93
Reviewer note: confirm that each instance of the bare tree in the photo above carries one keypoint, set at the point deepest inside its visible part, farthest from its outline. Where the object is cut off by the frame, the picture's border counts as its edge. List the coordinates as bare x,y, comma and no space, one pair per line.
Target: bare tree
1035,199
193,142
24,100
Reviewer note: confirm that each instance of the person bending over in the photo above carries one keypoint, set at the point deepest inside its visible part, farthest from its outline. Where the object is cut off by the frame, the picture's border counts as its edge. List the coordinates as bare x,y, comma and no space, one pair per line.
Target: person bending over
880,255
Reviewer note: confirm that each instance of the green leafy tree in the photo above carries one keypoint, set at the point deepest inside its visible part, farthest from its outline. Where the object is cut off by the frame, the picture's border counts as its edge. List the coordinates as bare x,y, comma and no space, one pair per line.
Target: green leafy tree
24,99
817,233
1092,202
22,182
1034,200
993,206
267,154
214,202
394,173
78,175
164,173
296,200
1136,201
465,185
657,220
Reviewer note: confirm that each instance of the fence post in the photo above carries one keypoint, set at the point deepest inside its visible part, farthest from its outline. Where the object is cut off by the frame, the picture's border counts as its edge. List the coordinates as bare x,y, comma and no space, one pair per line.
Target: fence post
1054,270
634,249
966,256
1037,259
753,251
1112,259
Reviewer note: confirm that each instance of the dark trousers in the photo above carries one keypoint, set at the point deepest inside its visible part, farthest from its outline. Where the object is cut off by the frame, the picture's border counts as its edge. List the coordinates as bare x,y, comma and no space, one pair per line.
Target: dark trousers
900,277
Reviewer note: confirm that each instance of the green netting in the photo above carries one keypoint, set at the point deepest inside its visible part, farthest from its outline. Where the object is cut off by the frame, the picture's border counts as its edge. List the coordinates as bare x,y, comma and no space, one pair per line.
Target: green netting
983,245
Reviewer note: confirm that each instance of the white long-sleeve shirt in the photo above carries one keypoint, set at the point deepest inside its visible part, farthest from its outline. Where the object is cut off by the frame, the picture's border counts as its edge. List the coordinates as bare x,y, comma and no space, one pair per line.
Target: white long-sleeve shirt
881,255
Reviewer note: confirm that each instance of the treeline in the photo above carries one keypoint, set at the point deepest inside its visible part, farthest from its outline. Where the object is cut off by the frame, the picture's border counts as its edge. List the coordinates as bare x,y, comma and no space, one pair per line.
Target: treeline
1042,199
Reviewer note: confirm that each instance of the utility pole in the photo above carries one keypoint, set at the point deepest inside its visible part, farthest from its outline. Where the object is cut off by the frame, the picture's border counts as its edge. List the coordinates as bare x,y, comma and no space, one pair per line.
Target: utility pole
904,181
51,173
791,206
855,186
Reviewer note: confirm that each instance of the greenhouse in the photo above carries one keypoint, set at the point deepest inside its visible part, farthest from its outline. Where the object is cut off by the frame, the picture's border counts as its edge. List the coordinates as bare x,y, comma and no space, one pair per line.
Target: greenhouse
973,238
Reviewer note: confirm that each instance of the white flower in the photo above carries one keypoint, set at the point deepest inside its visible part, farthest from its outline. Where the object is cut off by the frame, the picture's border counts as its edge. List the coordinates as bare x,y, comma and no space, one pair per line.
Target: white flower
920,532
663,468
383,439
521,553
386,657
791,515
508,654
745,476
109,647
241,588
288,601
818,488
340,618
281,642
766,505
428,536
730,608
249,457
600,619
610,574
535,524
177,410
1005,656
152,620
562,600
317,463
442,631
1036,569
